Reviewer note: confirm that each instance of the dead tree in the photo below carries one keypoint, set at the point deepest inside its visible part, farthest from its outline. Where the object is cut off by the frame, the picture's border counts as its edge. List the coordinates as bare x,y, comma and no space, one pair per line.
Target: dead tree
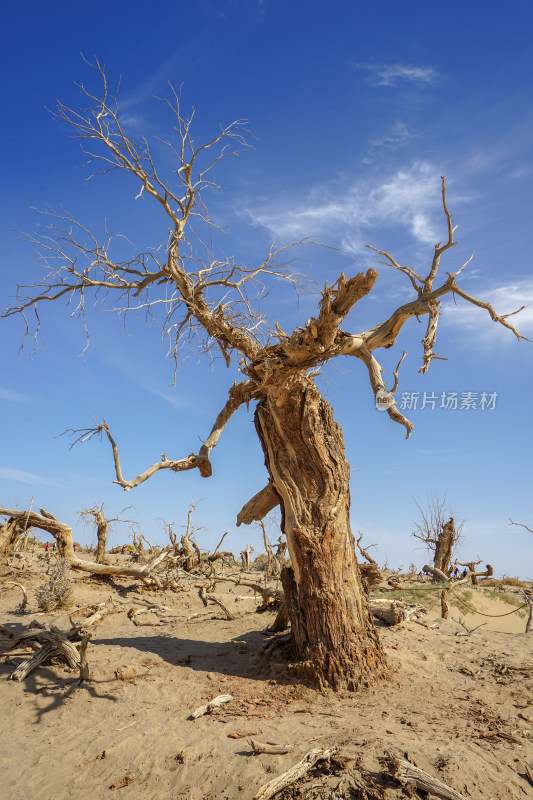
215,302
189,554
440,535
271,568
103,527
245,557
62,533
472,574
11,532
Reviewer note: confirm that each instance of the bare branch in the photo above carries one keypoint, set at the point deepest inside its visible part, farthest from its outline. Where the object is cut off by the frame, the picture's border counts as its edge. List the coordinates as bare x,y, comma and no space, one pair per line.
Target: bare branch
378,385
521,524
238,394
439,250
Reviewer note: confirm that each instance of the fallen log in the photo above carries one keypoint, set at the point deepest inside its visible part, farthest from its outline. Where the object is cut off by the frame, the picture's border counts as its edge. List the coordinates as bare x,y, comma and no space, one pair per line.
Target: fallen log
54,644
215,703
294,773
409,775
394,611
270,747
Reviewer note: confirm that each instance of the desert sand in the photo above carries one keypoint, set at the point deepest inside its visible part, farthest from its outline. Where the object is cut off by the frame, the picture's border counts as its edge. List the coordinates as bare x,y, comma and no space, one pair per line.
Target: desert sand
460,707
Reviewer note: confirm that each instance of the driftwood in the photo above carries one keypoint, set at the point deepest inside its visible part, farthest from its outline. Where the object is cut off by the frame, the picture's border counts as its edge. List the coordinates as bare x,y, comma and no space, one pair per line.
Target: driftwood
215,703
24,601
270,747
394,611
54,643
407,774
294,773
271,597
219,602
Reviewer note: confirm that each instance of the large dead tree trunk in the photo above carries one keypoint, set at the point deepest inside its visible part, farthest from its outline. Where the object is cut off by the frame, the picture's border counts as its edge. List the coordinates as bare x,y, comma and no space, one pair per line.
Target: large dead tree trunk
333,634
444,546
10,533
101,533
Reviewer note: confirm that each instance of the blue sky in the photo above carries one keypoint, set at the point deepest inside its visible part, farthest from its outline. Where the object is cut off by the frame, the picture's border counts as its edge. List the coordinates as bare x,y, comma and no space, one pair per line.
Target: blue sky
356,111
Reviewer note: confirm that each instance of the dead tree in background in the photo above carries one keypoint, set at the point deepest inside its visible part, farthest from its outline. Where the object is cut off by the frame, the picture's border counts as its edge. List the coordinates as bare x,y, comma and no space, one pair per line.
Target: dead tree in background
274,559
62,533
216,303
472,574
370,572
103,527
245,557
440,535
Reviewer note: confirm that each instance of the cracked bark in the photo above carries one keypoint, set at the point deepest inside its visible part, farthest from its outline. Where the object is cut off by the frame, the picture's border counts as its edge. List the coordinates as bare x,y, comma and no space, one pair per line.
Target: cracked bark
333,634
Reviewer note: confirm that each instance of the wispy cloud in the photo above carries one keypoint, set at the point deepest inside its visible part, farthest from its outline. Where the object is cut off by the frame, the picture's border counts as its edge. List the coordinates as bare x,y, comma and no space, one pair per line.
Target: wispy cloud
410,198
399,135
19,476
13,397
393,74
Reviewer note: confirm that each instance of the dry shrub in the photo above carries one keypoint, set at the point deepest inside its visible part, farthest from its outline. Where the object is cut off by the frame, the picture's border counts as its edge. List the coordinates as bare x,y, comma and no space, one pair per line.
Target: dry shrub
56,593
505,581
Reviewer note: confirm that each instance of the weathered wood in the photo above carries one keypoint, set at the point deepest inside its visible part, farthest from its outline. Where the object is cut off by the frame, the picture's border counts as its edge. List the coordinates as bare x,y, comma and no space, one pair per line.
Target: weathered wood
444,603
389,611
407,774
446,539
215,703
84,666
219,602
294,773
24,601
10,534
258,506
332,630
282,620
436,573
270,596
270,747
371,575
54,644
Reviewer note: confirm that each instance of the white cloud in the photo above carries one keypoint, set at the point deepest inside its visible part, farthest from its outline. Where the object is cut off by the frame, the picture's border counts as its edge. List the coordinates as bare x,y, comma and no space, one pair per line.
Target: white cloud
346,213
25,477
13,397
399,134
392,74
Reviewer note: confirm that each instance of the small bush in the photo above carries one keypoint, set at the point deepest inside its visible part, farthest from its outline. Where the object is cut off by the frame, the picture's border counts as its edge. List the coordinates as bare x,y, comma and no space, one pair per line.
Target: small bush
56,593
505,581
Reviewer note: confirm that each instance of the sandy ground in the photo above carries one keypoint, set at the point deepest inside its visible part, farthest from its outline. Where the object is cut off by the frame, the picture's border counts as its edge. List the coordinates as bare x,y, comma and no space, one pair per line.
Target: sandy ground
452,703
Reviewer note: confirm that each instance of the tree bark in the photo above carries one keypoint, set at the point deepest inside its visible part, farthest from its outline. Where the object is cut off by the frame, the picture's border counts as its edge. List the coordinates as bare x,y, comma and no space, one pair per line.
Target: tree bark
101,533
444,546
333,634
10,533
